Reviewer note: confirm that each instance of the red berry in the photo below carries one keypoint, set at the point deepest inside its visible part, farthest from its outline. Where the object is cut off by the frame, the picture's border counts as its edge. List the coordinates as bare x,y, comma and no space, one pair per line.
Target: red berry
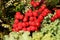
25,19
13,29
55,16
52,19
17,30
46,11
58,13
17,16
34,5
40,16
35,14
24,29
29,11
32,23
21,17
15,25
37,24
29,29
35,18
27,24
30,14
16,21
40,19
37,3
32,2
54,8
18,13
31,18
36,29
20,27
42,8
32,28
36,11
26,14
20,24
24,24
44,14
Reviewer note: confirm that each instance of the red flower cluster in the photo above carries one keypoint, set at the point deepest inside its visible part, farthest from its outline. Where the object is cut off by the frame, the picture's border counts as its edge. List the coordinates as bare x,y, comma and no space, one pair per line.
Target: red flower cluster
35,4
56,16
31,20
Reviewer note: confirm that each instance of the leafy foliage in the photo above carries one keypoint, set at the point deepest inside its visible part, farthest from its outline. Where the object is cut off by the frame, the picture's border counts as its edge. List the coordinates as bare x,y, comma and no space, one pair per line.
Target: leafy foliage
52,3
